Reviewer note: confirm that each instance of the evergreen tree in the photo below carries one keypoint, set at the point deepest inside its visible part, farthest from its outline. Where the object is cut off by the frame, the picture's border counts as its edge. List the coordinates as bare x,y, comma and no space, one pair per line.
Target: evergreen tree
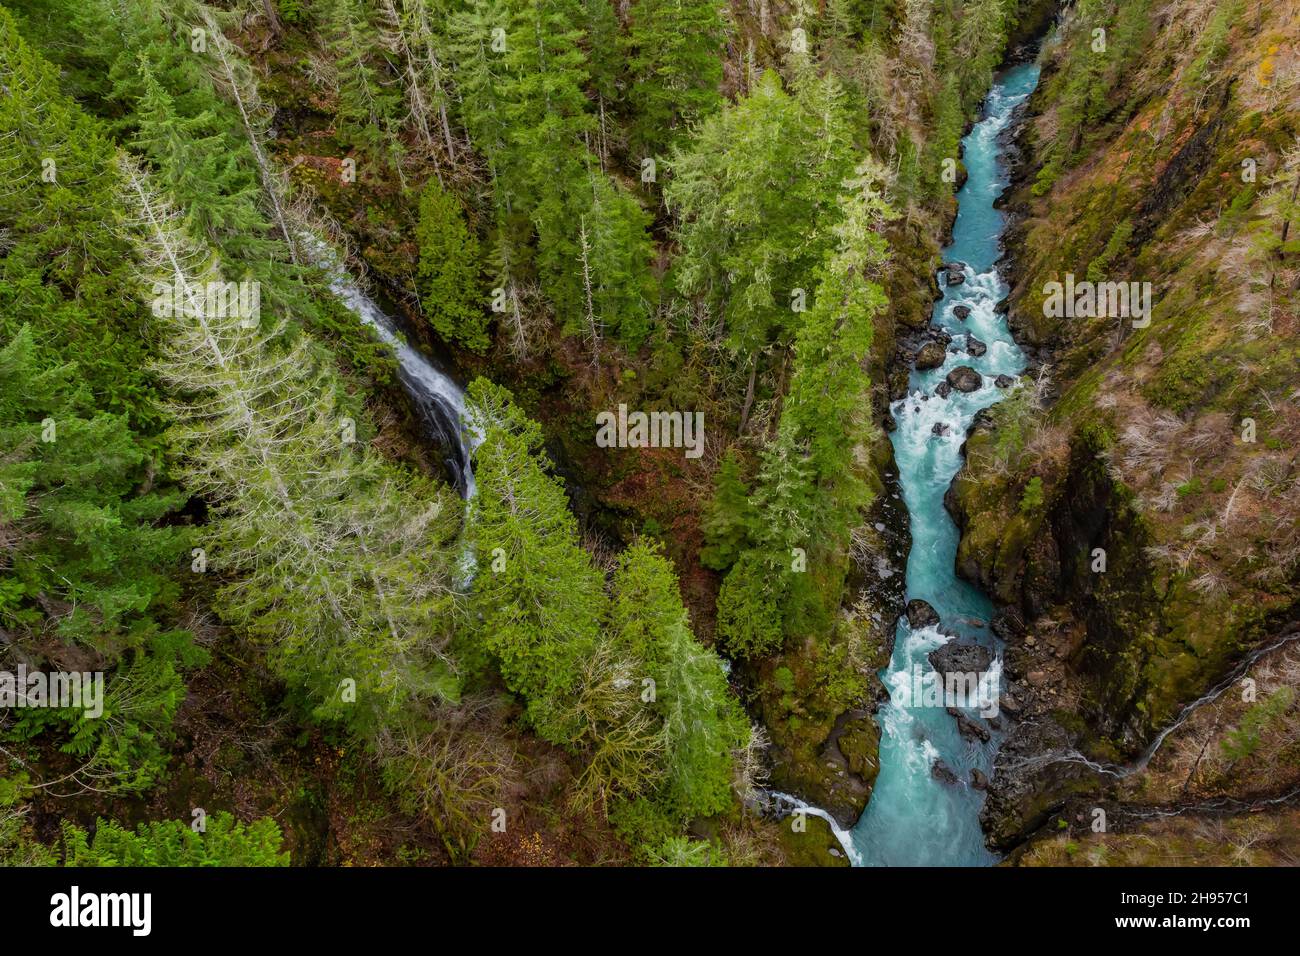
549,131
449,276
335,558
674,53
86,506
196,163
619,252
536,595
605,66
82,533
753,195
749,611
703,721
415,33
369,96
810,487
480,73
728,519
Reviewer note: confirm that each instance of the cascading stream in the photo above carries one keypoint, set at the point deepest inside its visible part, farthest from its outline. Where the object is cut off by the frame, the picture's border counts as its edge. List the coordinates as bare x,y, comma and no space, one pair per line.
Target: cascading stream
914,818
439,401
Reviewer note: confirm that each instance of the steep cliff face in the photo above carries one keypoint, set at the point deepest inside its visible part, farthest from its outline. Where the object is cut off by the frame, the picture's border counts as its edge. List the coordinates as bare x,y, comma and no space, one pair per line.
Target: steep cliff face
1135,506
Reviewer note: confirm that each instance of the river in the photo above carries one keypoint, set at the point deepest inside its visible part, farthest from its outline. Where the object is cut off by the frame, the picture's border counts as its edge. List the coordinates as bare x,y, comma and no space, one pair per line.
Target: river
913,818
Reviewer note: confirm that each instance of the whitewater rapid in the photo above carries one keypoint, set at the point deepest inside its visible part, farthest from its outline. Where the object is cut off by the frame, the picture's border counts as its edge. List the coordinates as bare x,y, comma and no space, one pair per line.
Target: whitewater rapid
914,818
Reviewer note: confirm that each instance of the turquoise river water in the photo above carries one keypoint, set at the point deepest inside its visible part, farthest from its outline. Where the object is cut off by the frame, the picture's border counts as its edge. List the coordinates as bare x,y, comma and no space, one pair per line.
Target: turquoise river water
913,818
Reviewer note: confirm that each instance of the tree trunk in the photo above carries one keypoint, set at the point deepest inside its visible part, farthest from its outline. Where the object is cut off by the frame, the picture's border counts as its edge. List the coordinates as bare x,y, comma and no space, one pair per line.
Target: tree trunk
749,397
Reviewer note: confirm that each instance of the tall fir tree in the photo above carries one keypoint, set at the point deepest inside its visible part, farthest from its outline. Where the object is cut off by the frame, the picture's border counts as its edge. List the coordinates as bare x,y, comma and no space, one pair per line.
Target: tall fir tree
674,53
449,275
703,721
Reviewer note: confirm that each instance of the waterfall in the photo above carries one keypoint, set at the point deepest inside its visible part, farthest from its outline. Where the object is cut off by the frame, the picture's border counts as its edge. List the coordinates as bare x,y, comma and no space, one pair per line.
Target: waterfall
438,400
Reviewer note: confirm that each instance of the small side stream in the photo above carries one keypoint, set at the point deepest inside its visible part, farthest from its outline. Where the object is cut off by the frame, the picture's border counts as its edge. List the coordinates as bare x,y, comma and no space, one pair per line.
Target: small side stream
439,401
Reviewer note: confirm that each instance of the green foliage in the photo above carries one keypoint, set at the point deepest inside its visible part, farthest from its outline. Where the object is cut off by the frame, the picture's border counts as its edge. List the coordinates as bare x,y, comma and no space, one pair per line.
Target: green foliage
829,389
642,824
95,552
1115,247
1031,501
334,557
728,519
126,747
810,488
616,253
1212,44
753,193
1244,739
224,842
703,723
448,275
673,55
368,114
749,609
18,847
537,598
683,851
1083,87
85,537
526,109
66,271
980,38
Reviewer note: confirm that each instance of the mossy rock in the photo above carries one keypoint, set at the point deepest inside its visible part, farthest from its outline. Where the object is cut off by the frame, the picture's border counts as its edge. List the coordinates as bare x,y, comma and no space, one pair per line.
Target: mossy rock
815,846
859,742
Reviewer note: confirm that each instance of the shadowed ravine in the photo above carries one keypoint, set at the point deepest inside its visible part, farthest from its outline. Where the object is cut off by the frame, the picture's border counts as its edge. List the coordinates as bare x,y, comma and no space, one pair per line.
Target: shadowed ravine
438,400
915,819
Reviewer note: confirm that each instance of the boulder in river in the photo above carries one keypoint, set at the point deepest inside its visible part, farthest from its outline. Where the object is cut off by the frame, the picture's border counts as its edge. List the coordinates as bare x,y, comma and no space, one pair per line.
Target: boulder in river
954,273
921,614
939,428
960,657
968,727
965,379
962,312
1004,381
943,773
930,355
978,781
975,347
943,389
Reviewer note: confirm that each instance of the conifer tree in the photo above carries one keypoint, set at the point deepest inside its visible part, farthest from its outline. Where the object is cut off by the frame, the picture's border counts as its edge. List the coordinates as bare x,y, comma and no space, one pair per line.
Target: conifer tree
605,68
673,51
703,721
749,610
93,556
753,195
334,558
473,41
449,272
415,34
549,129
728,519
620,251
369,96
536,595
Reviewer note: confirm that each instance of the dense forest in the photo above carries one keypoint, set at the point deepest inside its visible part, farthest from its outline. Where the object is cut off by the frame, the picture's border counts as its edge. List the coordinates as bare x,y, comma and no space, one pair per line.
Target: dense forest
339,625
